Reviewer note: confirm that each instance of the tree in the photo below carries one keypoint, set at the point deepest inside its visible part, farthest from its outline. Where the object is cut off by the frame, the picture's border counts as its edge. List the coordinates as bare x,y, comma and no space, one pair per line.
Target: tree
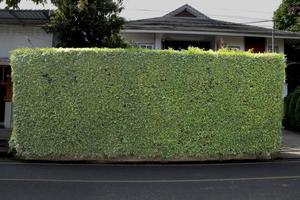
287,16
14,3
84,23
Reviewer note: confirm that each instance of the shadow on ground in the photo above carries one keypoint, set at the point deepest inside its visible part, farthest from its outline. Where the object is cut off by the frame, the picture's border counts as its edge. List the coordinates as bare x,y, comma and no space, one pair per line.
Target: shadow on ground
290,145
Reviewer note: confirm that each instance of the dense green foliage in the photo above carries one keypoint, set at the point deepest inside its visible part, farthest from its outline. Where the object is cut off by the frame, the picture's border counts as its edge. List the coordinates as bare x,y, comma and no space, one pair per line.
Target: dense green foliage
297,115
292,110
292,107
287,16
132,104
96,23
286,121
82,23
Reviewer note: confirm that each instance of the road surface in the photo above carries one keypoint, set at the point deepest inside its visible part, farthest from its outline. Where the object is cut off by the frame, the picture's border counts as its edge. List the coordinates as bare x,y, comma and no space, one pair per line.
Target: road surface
241,181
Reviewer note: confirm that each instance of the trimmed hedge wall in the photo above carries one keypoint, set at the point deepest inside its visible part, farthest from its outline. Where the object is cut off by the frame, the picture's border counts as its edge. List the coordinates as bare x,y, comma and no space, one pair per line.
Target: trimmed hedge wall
116,104
292,110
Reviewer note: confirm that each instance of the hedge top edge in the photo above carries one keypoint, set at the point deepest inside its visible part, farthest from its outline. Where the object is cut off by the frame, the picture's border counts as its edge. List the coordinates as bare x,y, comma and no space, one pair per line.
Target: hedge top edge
189,51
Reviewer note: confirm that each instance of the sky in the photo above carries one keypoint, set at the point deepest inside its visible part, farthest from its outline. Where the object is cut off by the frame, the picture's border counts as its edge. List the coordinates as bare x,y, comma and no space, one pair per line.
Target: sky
241,11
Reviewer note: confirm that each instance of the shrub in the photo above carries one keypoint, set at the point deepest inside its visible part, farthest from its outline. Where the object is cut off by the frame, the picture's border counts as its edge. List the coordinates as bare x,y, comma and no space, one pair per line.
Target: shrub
286,121
297,115
114,104
292,107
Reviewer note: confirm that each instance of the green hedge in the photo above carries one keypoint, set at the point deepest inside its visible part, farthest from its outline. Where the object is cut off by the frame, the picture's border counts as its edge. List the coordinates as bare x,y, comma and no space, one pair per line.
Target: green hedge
115,104
297,115
292,108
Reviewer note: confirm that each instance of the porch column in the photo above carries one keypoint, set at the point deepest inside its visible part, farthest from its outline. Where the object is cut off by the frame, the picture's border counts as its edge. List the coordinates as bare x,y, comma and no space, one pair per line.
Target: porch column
158,37
8,106
8,115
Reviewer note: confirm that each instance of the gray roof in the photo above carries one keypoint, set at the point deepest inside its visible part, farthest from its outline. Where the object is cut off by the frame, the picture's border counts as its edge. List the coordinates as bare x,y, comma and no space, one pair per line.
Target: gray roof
24,16
187,8
200,23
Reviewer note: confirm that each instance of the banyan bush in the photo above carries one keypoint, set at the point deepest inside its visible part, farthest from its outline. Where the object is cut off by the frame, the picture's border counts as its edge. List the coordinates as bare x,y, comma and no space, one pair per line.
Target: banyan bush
124,105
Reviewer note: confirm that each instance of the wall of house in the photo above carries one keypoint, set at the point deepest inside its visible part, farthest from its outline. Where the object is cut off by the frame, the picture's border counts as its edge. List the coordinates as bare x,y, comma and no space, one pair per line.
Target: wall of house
279,45
16,36
231,42
140,38
156,39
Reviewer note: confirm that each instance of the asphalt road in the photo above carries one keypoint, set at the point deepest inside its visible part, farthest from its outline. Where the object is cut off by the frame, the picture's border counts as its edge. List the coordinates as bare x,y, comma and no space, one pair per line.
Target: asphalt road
42,181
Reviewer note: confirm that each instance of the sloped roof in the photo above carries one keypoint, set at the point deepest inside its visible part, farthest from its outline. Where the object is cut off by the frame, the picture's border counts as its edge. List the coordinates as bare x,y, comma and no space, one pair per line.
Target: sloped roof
187,8
199,23
24,16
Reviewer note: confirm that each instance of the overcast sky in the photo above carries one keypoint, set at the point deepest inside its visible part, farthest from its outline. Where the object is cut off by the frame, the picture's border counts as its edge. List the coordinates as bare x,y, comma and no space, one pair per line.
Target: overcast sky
229,10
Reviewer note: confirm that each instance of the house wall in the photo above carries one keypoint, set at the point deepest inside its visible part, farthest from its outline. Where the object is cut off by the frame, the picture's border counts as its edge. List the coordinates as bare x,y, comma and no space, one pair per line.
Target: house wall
140,38
234,41
16,36
279,44
227,41
156,39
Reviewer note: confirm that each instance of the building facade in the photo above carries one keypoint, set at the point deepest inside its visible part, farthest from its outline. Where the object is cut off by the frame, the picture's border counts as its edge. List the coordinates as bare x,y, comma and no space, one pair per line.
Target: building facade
179,29
18,29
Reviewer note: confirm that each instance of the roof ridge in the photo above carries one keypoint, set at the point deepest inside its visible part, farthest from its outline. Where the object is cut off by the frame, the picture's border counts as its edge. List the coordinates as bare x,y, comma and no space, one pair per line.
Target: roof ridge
188,8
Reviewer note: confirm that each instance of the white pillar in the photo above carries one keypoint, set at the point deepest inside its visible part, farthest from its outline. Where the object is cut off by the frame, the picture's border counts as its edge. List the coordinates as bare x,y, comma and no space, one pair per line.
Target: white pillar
285,91
158,37
8,115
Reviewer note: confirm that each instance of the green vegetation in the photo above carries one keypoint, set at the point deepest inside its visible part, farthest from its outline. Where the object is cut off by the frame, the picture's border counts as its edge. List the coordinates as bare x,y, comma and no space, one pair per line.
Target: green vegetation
286,121
92,23
287,16
297,115
117,104
292,107
83,23
292,110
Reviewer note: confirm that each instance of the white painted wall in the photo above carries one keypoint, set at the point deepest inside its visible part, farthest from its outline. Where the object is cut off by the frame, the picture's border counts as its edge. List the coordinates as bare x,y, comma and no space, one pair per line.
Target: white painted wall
140,38
232,41
16,36
279,43
8,121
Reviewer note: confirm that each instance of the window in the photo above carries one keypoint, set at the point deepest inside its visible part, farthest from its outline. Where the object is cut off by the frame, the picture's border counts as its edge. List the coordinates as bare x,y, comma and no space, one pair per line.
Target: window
276,49
234,47
146,46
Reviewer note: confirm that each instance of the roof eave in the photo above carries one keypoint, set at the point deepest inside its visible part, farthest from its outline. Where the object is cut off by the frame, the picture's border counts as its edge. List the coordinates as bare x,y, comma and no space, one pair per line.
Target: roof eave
24,22
4,61
223,33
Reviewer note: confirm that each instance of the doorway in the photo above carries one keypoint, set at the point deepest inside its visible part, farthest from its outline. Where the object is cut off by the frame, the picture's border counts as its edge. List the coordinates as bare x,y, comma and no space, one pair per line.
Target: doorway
257,44
5,96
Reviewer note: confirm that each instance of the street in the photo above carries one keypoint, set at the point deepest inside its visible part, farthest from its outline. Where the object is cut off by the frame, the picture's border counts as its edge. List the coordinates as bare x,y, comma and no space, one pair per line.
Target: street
261,180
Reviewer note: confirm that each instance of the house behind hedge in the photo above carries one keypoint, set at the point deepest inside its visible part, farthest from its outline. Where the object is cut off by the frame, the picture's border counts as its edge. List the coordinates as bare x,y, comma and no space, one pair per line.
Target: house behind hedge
179,29
18,28
187,26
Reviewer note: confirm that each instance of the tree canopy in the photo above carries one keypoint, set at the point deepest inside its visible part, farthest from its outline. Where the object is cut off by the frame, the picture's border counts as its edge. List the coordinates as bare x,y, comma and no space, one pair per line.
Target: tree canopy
15,3
287,16
84,23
